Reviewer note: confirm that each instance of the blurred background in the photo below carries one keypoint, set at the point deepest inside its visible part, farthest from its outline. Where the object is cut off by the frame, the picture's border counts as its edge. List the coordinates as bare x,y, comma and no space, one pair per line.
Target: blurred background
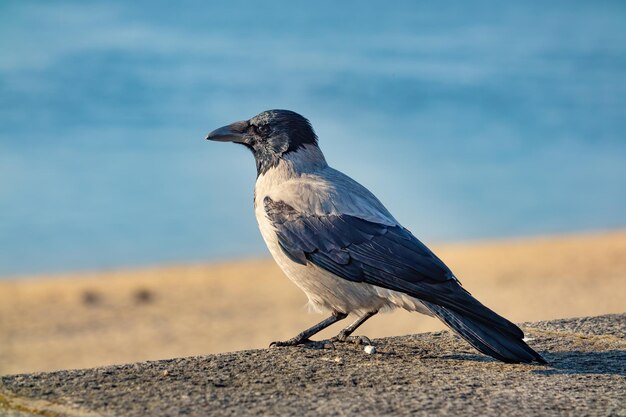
471,121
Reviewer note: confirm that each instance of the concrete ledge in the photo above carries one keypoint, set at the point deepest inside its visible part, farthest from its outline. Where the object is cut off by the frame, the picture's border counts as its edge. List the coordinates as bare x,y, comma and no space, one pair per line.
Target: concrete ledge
425,374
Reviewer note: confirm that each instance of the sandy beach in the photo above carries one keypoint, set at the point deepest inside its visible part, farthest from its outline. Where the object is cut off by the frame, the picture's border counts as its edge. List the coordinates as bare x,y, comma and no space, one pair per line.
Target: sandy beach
90,319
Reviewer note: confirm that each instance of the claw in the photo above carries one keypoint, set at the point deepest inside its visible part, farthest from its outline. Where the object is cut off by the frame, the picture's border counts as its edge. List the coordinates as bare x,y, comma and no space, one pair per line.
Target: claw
324,344
291,342
363,340
357,340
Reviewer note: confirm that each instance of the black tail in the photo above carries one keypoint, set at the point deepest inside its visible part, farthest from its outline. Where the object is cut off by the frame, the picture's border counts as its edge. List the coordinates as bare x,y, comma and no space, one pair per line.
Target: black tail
489,333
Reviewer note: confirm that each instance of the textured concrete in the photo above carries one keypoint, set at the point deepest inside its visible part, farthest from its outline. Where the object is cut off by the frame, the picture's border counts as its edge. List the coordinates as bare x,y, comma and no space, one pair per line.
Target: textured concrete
426,374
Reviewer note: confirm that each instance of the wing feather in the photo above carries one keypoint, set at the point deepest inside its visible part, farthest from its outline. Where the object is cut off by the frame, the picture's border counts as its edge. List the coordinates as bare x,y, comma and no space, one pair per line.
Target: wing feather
364,251
346,239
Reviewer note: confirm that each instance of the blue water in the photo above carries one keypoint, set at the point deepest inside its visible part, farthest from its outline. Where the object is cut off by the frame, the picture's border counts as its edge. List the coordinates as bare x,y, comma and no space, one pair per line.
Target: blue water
468,119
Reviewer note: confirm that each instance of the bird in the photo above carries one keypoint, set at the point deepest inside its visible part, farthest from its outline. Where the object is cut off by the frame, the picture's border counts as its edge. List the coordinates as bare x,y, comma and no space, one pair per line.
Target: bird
339,244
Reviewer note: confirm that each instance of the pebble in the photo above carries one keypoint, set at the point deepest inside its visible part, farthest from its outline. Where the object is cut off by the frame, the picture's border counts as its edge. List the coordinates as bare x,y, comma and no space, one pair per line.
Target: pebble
369,349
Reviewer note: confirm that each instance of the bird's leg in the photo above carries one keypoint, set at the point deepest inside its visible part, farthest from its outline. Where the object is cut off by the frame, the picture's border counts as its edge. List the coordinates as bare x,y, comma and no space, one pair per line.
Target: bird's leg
303,337
344,334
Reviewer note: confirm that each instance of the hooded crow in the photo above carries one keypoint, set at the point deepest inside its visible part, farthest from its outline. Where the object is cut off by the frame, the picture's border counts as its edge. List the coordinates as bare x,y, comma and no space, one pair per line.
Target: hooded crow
339,244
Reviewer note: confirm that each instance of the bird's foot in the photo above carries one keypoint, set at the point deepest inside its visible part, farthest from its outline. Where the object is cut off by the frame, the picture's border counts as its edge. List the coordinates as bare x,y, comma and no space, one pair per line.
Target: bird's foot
296,341
357,340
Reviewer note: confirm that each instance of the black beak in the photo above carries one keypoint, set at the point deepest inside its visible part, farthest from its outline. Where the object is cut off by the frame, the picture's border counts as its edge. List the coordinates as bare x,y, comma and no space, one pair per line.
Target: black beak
232,133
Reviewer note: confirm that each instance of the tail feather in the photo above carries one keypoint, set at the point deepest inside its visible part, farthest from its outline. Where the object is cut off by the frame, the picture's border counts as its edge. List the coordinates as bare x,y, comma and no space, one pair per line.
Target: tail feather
488,336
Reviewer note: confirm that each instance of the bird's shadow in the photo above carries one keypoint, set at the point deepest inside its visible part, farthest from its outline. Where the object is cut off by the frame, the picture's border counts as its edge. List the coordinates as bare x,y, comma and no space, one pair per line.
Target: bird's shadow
611,362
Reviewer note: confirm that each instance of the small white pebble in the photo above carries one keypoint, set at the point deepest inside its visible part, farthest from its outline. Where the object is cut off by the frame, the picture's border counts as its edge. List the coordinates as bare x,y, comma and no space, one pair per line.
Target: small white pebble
166,373
369,349
528,339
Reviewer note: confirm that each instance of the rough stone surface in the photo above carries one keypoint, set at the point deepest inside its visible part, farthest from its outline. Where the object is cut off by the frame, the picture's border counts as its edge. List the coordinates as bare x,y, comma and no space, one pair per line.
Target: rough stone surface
425,374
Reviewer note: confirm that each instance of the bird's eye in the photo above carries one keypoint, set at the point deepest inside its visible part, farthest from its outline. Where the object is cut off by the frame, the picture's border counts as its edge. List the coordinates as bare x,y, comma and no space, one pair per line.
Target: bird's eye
263,129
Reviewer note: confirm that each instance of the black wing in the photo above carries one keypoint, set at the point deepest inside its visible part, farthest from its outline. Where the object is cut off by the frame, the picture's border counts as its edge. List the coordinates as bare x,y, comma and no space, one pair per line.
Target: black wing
363,251
389,257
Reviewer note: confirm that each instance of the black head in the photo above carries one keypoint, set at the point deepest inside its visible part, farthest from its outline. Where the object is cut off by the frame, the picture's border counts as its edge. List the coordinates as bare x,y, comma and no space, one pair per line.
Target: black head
269,135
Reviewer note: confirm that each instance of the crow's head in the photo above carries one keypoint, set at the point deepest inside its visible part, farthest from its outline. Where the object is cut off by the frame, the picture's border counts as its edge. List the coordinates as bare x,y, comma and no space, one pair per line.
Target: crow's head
269,135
